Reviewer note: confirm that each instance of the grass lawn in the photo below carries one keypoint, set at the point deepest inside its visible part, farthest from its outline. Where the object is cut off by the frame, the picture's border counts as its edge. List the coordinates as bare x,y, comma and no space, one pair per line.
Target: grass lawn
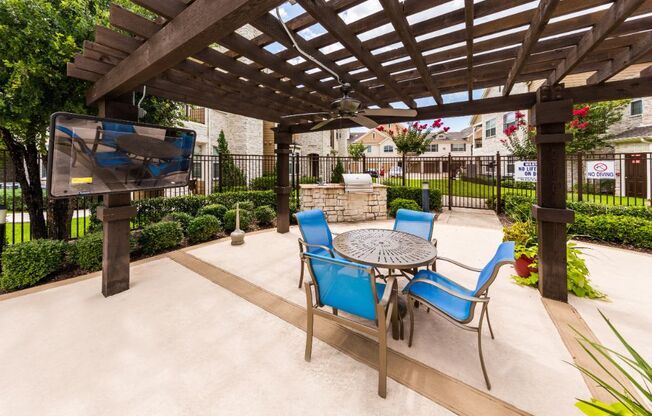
477,190
21,231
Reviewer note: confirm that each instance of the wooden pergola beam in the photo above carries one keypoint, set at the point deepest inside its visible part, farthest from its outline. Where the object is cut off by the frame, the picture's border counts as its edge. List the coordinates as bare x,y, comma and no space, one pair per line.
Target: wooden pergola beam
397,16
617,13
197,26
541,17
468,26
322,12
622,60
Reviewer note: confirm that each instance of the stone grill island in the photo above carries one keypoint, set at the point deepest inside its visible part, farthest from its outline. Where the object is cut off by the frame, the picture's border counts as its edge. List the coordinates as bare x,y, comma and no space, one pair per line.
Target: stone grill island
340,205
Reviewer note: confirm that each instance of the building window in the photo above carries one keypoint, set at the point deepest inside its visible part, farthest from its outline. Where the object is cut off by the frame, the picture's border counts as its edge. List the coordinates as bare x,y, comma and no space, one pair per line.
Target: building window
388,148
636,108
509,119
433,147
510,168
368,149
456,147
196,114
490,128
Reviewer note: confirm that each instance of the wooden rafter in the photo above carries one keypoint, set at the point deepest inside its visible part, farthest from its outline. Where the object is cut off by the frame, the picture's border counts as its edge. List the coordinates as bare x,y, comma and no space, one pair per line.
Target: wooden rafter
198,25
534,32
468,19
320,10
623,59
617,13
397,16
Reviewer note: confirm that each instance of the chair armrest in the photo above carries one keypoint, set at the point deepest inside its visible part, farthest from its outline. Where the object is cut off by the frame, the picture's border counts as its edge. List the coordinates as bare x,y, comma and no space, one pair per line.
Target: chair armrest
447,290
434,242
308,245
391,282
457,263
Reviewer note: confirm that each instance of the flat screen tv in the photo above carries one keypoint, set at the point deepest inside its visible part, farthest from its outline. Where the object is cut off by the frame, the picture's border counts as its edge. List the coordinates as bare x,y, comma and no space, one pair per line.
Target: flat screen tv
91,155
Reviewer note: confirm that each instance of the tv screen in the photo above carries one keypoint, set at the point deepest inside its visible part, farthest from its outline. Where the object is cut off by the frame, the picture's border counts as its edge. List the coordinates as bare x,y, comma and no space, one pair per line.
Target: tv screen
91,155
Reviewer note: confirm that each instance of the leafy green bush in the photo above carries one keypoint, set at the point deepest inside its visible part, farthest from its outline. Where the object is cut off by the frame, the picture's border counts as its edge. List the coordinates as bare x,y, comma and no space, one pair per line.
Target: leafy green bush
259,198
88,252
591,209
263,183
264,215
613,228
229,220
181,217
338,172
26,264
518,207
216,210
294,208
405,192
245,206
203,228
309,180
403,203
160,236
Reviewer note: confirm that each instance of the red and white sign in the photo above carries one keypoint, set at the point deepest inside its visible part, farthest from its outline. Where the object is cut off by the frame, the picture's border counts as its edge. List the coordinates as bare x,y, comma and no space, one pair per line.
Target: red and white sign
601,169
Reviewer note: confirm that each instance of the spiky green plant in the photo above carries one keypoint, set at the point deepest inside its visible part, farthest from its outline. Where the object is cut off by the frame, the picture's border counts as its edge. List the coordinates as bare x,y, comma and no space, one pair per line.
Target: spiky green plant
633,368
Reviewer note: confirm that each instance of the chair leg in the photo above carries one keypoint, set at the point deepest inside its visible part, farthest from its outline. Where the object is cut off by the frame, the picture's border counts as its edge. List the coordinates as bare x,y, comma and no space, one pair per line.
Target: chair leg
301,276
484,368
309,323
382,359
397,325
411,303
491,331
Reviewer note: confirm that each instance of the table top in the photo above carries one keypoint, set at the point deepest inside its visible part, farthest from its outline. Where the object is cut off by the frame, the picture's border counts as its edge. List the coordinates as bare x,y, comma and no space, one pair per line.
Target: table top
385,248
147,146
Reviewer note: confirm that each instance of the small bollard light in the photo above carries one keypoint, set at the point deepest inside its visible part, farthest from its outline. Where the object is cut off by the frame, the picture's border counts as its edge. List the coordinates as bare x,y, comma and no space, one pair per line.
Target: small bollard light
3,235
425,196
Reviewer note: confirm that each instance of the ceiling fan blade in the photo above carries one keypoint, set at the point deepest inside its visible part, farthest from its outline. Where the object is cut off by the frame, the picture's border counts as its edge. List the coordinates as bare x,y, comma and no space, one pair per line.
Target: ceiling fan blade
322,124
390,112
305,114
364,121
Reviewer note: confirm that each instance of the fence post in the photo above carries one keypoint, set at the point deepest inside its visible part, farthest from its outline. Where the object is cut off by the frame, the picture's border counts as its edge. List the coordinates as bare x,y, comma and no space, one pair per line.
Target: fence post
403,169
450,182
364,163
499,178
221,171
580,178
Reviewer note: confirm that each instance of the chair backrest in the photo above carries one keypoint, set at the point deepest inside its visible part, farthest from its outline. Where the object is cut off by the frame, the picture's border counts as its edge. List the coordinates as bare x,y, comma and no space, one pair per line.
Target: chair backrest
185,144
504,255
341,284
111,131
314,228
415,222
74,136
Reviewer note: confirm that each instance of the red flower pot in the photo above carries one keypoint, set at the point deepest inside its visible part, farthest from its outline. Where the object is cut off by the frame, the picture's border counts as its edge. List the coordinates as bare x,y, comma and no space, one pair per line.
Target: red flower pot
522,266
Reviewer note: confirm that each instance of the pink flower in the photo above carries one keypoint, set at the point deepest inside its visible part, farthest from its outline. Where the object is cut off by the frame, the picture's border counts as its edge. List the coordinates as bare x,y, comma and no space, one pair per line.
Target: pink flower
423,126
436,124
446,129
582,112
380,128
519,115
415,125
582,126
404,130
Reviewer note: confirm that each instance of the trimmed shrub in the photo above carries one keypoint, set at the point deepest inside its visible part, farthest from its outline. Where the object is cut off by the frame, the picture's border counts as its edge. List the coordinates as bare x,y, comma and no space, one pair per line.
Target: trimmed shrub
160,236
613,228
403,203
518,207
259,198
203,228
406,192
181,217
88,252
216,210
309,179
588,208
26,264
263,183
229,220
264,215
245,206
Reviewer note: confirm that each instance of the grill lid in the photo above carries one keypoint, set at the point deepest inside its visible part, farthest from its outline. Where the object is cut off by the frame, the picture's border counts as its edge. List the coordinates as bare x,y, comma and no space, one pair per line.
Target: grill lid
357,182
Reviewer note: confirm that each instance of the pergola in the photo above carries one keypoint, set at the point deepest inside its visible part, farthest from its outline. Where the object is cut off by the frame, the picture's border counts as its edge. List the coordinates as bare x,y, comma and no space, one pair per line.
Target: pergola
197,52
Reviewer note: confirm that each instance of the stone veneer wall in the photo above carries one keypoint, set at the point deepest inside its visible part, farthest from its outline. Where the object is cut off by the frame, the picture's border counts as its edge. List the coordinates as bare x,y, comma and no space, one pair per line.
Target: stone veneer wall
341,206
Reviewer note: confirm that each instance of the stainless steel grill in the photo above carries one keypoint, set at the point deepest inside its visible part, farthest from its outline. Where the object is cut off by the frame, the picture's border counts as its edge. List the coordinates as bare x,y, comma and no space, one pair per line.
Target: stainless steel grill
357,183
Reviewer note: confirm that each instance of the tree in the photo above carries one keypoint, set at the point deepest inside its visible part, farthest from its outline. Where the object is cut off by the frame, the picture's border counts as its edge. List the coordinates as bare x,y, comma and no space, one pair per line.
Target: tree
37,39
231,175
415,138
356,150
337,176
519,139
591,123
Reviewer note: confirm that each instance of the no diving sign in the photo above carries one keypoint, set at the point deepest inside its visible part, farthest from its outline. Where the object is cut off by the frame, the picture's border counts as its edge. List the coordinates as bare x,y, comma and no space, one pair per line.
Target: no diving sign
601,169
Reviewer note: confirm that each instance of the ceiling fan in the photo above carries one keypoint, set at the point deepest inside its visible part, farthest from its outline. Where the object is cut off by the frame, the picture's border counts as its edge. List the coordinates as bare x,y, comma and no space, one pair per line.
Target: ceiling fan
346,107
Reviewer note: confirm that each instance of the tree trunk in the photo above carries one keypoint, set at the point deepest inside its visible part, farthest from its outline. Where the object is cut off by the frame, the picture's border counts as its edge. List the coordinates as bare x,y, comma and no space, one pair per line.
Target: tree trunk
59,218
25,158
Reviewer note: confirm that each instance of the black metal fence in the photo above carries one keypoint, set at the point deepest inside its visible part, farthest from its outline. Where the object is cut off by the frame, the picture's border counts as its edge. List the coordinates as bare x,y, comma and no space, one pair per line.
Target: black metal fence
464,181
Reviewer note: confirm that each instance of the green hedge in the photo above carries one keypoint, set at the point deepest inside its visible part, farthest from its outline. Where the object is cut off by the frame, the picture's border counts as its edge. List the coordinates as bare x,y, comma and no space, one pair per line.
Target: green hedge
88,252
229,220
263,183
591,209
182,218
259,198
518,207
203,228
613,228
399,203
406,192
216,210
26,264
264,215
160,236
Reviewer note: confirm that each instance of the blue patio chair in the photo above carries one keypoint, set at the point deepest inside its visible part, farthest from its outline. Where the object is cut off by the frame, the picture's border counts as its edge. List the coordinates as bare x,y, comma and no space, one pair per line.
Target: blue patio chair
455,302
352,288
317,237
416,223
179,164
111,131
111,159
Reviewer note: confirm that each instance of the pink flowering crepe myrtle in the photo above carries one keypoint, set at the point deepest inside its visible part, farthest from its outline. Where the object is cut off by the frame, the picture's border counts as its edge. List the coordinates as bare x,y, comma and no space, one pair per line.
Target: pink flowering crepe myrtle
416,137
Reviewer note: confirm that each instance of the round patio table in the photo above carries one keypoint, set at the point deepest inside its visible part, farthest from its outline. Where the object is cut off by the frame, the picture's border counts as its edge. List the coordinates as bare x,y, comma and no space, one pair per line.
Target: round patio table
147,147
387,249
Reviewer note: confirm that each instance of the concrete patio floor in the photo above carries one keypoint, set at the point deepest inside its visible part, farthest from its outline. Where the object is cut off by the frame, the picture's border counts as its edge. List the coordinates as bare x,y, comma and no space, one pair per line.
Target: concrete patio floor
178,343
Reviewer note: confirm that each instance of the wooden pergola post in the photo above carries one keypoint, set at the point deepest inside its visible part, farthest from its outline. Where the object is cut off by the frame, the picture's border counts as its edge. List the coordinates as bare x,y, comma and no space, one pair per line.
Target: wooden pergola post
549,114
115,214
283,140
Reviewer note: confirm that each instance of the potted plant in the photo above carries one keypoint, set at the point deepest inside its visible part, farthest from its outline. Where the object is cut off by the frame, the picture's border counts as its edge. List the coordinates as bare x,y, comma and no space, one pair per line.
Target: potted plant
523,233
